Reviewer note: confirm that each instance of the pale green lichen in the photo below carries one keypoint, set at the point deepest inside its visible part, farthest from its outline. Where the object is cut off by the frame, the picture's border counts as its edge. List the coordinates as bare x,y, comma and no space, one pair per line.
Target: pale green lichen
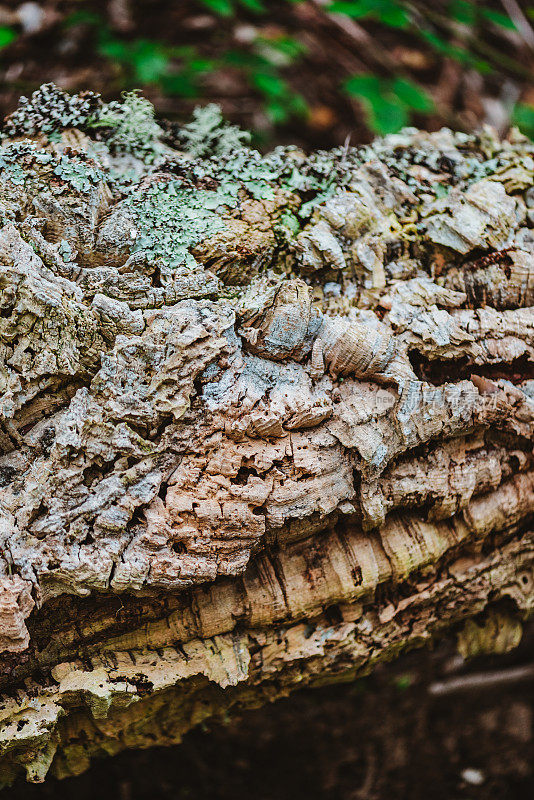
132,127
78,171
176,198
170,219
23,163
210,135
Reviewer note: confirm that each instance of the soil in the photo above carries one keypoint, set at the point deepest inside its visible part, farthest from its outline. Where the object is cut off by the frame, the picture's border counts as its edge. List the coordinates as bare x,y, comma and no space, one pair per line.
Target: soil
385,737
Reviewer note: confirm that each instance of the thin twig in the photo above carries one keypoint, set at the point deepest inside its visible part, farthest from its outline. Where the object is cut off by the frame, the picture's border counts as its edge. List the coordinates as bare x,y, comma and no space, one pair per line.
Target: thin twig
497,56
522,24
359,36
482,680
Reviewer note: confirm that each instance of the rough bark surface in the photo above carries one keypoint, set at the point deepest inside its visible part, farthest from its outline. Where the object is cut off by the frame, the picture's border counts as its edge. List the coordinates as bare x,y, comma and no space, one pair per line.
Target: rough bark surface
264,420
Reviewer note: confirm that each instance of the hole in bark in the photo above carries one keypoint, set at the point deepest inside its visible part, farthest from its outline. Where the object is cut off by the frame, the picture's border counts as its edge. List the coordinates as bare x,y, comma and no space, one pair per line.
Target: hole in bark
394,250
35,514
91,474
356,574
138,516
438,372
95,472
334,615
309,630
242,476
156,278
162,491
7,475
179,547
47,440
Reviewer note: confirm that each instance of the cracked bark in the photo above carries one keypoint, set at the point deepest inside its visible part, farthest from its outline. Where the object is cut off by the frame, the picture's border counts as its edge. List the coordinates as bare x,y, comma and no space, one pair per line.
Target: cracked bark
299,448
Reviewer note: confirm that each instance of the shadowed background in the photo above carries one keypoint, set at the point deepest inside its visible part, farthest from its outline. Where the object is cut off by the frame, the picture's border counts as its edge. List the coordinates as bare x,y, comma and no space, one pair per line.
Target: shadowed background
311,73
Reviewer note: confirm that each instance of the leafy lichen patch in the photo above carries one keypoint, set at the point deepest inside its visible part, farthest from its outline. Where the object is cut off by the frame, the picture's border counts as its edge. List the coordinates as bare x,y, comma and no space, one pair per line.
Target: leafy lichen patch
131,127
170,218
50,110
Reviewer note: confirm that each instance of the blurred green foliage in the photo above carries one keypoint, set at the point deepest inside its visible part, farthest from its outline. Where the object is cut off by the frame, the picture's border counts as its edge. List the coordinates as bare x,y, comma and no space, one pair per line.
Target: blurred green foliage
523,117
227,8
7,35
393,13
390,98
179,70
262,66
389,102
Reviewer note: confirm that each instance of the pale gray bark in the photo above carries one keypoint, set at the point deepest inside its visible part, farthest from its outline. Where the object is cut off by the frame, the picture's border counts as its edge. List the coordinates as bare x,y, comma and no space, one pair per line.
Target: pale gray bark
264,421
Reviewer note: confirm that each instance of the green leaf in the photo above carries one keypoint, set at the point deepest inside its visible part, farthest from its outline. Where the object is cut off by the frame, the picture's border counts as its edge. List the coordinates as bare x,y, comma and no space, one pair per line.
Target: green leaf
384,111
238,58
523,117
268,84
224,8
498,18
364,85
396,16
286,45
114,49
387,117
356,10
256,6
277,112
412,96
299,106
7,35
459,54
463,11
83,17
149,61
390,12
179,84
202,65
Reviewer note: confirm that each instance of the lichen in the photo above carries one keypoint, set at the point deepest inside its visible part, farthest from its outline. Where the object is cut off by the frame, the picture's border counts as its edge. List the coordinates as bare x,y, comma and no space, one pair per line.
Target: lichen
131,127
208,134
171,218
24,162
51,109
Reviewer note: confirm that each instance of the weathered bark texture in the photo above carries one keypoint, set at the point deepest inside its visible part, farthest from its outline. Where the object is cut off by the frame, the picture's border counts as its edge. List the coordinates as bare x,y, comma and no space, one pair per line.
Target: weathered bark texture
264,420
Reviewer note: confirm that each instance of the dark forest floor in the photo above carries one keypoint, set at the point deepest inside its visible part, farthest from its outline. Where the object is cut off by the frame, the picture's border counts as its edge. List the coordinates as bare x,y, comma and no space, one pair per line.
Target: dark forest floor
386,737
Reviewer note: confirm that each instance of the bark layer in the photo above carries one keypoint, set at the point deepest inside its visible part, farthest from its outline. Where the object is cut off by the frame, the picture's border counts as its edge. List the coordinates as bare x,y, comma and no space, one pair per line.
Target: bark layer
264,420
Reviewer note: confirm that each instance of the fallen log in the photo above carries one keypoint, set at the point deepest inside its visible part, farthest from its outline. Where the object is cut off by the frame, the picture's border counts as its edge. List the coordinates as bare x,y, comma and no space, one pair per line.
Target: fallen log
265,420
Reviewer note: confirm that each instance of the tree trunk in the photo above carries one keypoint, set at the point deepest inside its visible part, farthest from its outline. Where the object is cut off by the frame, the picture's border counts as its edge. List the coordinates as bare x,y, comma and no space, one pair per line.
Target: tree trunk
265,421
